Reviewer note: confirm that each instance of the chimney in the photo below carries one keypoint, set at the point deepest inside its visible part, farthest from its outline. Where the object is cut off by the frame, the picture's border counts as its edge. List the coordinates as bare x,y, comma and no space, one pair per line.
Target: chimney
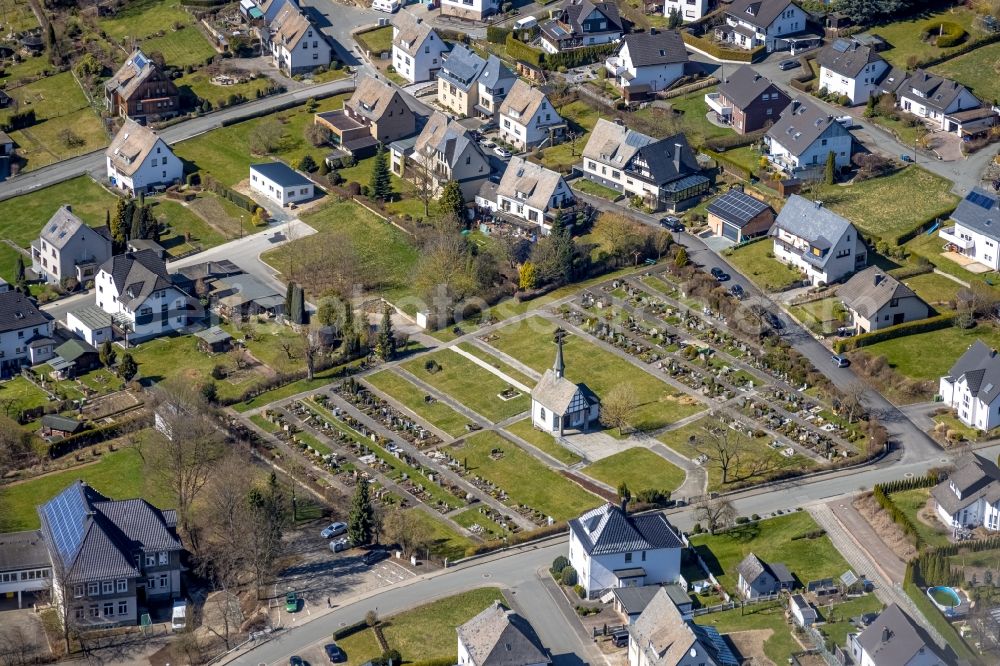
68,207
419,20
625,505
885,634
878,279
677,157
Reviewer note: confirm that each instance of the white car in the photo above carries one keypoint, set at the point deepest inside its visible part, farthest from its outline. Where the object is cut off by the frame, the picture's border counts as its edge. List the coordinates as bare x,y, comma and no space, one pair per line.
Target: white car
502,153
334,529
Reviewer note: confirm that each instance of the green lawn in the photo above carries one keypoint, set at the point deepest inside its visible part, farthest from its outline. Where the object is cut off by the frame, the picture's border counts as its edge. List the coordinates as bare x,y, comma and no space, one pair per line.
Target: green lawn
905,133
543,441
267,343
909,355
598,190
199,82
496,363
8,262
972,69
17,15
756,261
872,205
409,395
825,314
904,36
525,479
118,475
474,386
26,394
772,541
936,290
581,119
837,617
179,357
405,200
182,223
377,41
142,20
931,246
694,121
445,541
911,502
747,157
530,341
778,646
226,218
225,152
22,217
640,468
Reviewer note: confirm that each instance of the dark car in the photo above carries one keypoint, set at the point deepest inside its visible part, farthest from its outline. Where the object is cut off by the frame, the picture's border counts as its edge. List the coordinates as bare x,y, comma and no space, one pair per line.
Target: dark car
737,291
375,556
716,272
296,660
773,320
786,65
334,652
620,638
722,277
672,223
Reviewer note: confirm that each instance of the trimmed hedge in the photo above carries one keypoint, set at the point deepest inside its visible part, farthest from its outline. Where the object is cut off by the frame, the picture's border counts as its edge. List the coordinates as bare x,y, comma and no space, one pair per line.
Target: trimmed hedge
904,272
578,57
349,630
892,332
496,35
732,167
962,50
948,34
521,51
903,238
897,515
727,141
721,52
93,436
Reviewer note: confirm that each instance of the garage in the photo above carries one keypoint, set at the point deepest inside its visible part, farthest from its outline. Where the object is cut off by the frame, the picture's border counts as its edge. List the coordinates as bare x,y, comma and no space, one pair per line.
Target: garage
737,216
730,231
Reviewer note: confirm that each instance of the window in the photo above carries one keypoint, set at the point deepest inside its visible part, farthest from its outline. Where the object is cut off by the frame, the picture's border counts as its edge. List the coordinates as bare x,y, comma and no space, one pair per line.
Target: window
94,612
163,580
893,302
643,556
92,589
109,609
151,583
150,559
107,587
823,142
78,612
122,585
164,557
77,591
123,608
628,557
541,413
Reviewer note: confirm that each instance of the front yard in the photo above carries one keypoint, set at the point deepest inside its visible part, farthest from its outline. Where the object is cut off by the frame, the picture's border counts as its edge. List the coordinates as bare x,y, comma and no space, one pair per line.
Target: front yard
377,41
909,354
756,261
581,119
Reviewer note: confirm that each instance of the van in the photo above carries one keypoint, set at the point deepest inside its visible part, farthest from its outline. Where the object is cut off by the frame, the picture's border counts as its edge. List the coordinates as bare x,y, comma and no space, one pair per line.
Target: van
388,6
178,618
525,23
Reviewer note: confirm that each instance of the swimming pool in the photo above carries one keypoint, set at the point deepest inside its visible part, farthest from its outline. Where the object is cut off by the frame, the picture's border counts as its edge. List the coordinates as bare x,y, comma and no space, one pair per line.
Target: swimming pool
945,598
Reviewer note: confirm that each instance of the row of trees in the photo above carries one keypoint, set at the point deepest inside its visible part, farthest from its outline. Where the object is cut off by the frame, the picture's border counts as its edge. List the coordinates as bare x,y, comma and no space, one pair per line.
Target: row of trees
133,220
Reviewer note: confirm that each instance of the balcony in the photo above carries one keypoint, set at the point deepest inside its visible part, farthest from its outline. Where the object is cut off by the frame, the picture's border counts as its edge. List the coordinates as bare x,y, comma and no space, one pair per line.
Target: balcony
714,102
949,236
615,65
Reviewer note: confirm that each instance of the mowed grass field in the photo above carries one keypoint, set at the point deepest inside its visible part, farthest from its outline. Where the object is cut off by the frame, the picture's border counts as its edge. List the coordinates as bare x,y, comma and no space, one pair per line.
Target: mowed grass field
143,20
909,354
874,205
22,217
525,479
377,40
904,36
542,441
936,290
200,84
640,468
765,271
581,119
530,341
475,387
17,15
437,413
977,70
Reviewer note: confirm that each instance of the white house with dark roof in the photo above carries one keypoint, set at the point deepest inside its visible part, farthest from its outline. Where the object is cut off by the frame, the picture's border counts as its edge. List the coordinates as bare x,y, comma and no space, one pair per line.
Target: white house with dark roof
893,639
972,387
803,136
532,193
580,23
68,248
823,245
135,289
758,578
296,44
24,333
663,637
609,548
647,62
558,404
976,233
104,551
417,51
802,612
970,496
768,23
138,160
945,104
500,637
444,150
849,69
877,300
689,10
494,84
527,119
280,183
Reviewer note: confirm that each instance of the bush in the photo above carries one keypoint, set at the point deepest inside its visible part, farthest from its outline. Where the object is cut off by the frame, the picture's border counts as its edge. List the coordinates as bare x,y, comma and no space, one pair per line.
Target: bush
353,188
580,592
696,529
944,34
742,520
558,565
568,576
898,331
307,164
496,35
521,51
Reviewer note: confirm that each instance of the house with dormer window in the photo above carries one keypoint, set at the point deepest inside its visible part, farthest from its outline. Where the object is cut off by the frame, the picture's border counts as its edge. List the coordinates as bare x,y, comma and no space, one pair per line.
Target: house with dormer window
850,69
68,248
970,496
893,639
647,62
527,119
140,90
802,138
458,81
24,333
976,232
767,23
444,150
610,548
580,23
296,44
417,51
662,636
944,104
972,387
823,245
376,113
138,160
532,193
494,84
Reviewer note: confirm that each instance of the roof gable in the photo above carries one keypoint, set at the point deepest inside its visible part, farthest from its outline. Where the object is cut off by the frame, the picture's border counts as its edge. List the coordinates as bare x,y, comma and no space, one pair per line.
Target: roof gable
499,637
746,85
654,48
872,289
801,124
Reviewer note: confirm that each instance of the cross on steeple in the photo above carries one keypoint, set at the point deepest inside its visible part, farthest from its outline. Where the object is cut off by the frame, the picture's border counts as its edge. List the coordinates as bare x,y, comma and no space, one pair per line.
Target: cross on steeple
559,366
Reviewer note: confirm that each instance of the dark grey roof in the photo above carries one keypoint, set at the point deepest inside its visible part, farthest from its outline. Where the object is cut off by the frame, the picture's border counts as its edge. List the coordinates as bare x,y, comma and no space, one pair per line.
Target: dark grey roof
136,275
140,522
92,317
805,609
654,48
668,160
59,422
801,124
894,638
213,334
281,173
571,15
500,637
737,207
935,91
633,599
208,269
847,57
745,85
74,349
780,572
812,222
462,67
607,530
750,568
975,478
979,211
872,289
630,572
18,311
893,79
23,550
496,74
761,12
980,366
61,227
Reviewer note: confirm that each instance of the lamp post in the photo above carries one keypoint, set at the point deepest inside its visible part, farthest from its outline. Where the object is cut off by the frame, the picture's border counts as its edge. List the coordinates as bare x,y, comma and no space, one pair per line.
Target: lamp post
241,227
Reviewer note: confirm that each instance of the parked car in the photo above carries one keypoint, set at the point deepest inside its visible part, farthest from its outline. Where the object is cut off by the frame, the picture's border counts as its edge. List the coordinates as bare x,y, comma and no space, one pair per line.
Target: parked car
388,6
296,660
340,545
786,65
840,361
334,529
334,653
672,223
905,158
502,153
291,602
716,271
486,143
737,291
375,556
620,638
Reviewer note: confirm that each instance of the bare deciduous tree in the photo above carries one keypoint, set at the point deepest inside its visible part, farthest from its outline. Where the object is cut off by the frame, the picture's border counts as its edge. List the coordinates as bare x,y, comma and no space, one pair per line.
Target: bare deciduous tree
716,514
730,451
618,407
851,404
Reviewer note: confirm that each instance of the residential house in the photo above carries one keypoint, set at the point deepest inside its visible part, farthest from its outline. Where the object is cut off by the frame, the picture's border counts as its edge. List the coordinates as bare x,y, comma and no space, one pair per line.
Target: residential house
24,333
629,602
689,10
68,248
472,10
458,81
663,173
494,83
241,296
417,51
848,69
141,91
138,160
747,101
375,114
738,216
758,578
976,233
803,614
109,557
73,358
767,23
280,183
530,192
802,138
824,245
558,404
296,45
580,23
877,300
500,637
136,291
91,323
527,118
646,62
944,104
269,9
609,548
25,569
970,496
972,387
443,151
662,637
6,144
893,639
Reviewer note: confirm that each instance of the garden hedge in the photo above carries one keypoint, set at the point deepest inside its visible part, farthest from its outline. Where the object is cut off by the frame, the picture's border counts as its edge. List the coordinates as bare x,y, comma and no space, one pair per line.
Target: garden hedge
948,34
578,57
903,238
727,141
721,52
732,167
968,47
892,332
520,51
496,35
904,272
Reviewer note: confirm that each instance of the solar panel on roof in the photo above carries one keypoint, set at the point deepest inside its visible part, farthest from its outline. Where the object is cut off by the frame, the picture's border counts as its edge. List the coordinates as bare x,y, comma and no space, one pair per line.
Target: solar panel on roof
841,45
980,200
65,516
